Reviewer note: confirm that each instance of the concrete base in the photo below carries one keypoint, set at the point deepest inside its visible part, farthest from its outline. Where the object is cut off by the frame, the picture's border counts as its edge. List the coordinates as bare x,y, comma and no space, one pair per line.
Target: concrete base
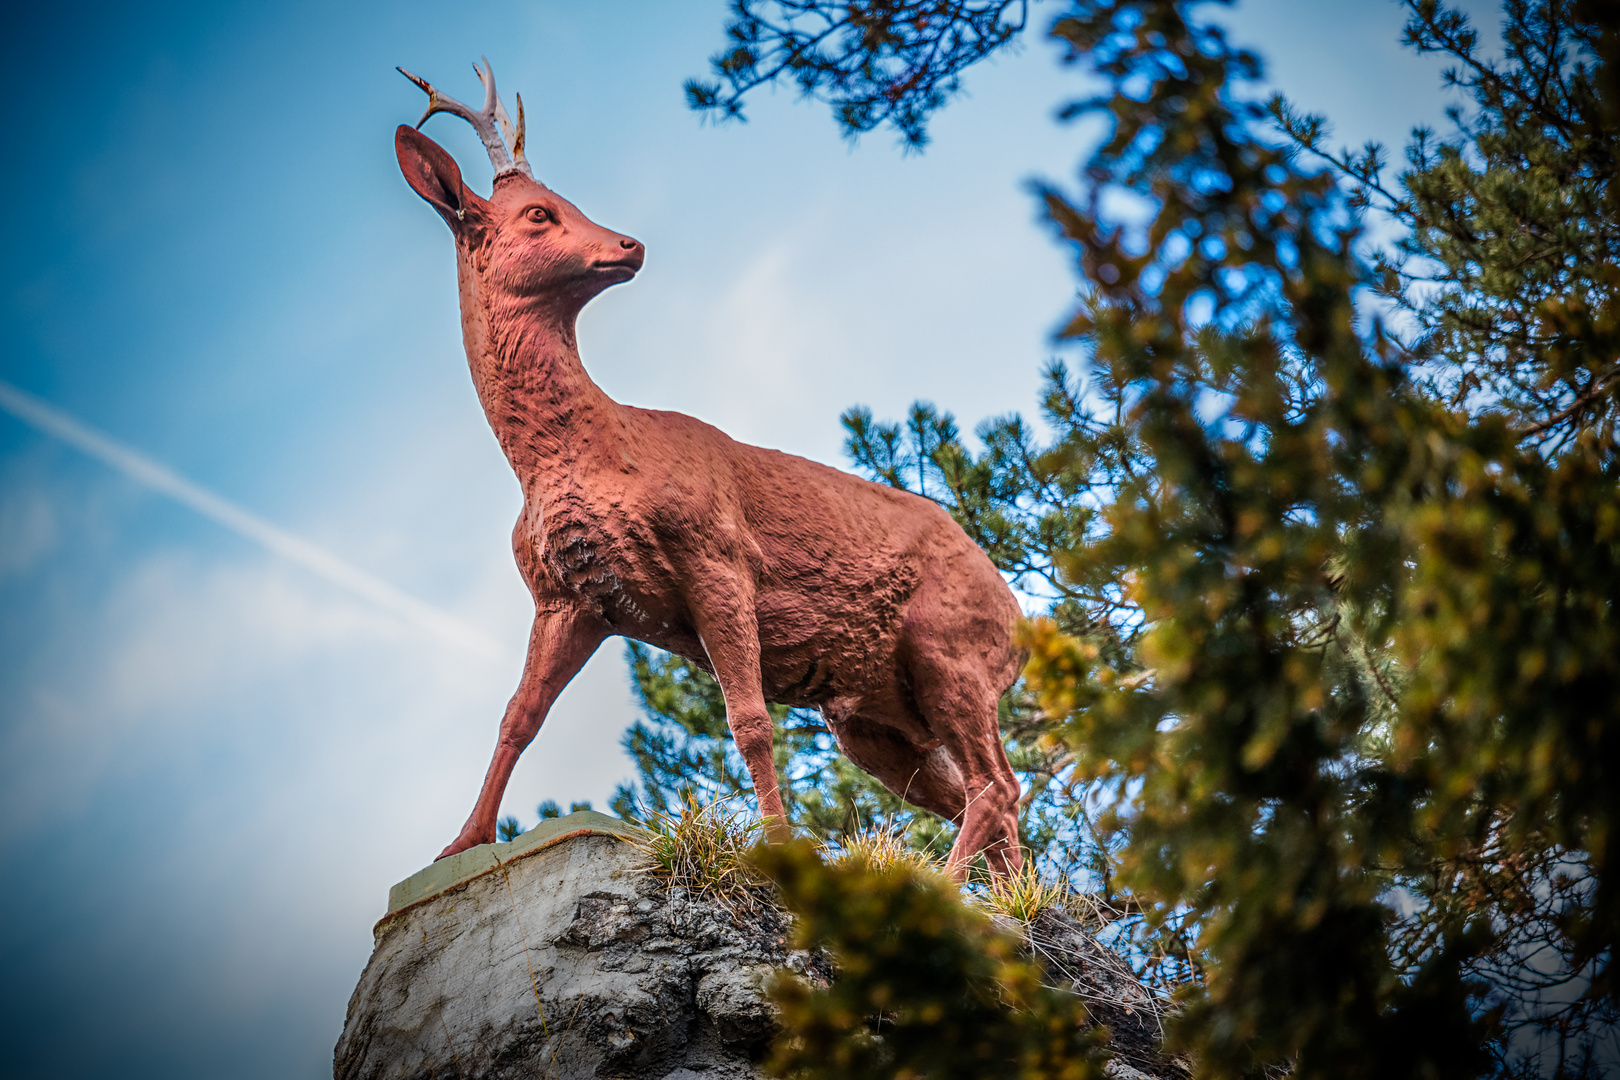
487,858
558,955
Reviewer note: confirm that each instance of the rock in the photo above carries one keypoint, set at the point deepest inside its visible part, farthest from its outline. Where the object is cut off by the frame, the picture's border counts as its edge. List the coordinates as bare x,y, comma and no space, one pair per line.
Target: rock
559,956
1075,960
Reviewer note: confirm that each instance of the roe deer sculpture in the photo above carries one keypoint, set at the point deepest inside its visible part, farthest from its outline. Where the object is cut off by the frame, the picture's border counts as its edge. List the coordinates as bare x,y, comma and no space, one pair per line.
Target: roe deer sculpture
789,581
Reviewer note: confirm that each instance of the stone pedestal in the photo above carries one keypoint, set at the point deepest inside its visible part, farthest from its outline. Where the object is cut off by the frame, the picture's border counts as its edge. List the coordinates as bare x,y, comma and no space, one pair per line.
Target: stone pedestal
557,955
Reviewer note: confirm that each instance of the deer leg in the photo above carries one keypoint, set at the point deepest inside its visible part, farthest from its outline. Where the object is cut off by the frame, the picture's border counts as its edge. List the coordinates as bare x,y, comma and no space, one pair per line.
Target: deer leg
730,634
925,778
559,645
960,708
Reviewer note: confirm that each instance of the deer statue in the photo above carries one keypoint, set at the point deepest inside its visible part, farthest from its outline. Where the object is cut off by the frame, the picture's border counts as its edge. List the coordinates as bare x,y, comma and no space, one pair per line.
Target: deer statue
787,580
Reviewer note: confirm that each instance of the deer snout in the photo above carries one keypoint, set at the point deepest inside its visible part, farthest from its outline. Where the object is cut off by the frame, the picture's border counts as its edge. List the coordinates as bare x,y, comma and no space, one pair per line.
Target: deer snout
630,255
618,259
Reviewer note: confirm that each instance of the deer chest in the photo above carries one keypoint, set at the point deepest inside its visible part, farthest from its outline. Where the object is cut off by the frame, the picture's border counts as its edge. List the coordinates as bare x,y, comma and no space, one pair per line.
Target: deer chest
575,547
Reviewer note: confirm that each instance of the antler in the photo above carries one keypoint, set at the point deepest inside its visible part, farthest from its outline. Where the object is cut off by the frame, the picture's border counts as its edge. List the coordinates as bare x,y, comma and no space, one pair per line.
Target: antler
482,120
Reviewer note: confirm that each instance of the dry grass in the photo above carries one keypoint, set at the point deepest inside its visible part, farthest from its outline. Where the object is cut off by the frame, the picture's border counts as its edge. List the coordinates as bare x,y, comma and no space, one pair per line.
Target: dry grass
1093,912
885,848
704,849
1023,895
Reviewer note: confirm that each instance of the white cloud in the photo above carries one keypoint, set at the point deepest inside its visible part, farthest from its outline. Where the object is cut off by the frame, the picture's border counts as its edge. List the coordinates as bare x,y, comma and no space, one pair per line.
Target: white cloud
295,549
238,761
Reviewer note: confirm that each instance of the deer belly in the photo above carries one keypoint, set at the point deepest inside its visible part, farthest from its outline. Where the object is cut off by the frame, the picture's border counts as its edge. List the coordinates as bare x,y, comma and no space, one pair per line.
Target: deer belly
814,648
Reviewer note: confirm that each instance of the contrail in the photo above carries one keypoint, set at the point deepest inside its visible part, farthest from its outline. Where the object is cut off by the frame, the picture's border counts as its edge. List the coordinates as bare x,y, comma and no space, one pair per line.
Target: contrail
142,469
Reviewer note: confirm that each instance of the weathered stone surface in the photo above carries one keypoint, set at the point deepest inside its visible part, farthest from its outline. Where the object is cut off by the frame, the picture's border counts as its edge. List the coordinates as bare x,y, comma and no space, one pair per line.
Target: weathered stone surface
561,957
1074,960
568,961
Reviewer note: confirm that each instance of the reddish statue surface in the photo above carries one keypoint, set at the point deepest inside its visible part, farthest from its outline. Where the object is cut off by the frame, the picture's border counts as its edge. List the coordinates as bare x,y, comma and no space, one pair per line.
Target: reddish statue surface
790,581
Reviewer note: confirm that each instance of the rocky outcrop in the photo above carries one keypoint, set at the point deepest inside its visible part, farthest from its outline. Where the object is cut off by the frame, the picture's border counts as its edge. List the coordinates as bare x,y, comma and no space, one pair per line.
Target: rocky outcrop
1076,961
559,956
562,958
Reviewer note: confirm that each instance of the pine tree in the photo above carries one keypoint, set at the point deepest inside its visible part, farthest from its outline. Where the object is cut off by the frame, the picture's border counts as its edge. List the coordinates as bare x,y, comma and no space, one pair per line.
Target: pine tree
1331,542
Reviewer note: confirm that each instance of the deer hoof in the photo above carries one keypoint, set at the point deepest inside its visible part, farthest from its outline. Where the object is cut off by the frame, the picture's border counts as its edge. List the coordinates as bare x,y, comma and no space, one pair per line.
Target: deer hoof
469,838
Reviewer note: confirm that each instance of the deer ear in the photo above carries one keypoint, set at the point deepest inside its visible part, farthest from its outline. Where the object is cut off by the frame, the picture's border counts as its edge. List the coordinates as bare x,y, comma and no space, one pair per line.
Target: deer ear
433,174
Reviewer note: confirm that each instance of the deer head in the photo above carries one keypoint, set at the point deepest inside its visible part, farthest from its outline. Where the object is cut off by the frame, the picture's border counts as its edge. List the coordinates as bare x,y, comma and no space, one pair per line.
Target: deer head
524,246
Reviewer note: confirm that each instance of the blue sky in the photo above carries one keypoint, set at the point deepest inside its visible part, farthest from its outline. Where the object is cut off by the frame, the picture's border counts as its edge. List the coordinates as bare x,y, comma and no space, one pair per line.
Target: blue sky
214,761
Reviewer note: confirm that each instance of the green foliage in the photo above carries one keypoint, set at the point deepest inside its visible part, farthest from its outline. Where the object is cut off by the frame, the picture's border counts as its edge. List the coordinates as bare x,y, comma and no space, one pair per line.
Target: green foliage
1506,265
1336,523
1249,805
1333,621
926,986
876,62
1505,278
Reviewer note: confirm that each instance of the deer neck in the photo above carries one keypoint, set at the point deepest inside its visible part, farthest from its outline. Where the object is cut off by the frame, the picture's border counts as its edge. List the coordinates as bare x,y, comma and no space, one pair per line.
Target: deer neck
544,409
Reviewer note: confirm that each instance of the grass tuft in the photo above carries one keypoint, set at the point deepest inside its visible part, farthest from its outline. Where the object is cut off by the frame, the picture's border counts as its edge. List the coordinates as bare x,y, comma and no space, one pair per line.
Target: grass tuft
1023,895
881,849
704,849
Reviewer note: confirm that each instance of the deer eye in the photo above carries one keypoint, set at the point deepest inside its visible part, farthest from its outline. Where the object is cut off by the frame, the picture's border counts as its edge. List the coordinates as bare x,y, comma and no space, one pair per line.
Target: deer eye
538,215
